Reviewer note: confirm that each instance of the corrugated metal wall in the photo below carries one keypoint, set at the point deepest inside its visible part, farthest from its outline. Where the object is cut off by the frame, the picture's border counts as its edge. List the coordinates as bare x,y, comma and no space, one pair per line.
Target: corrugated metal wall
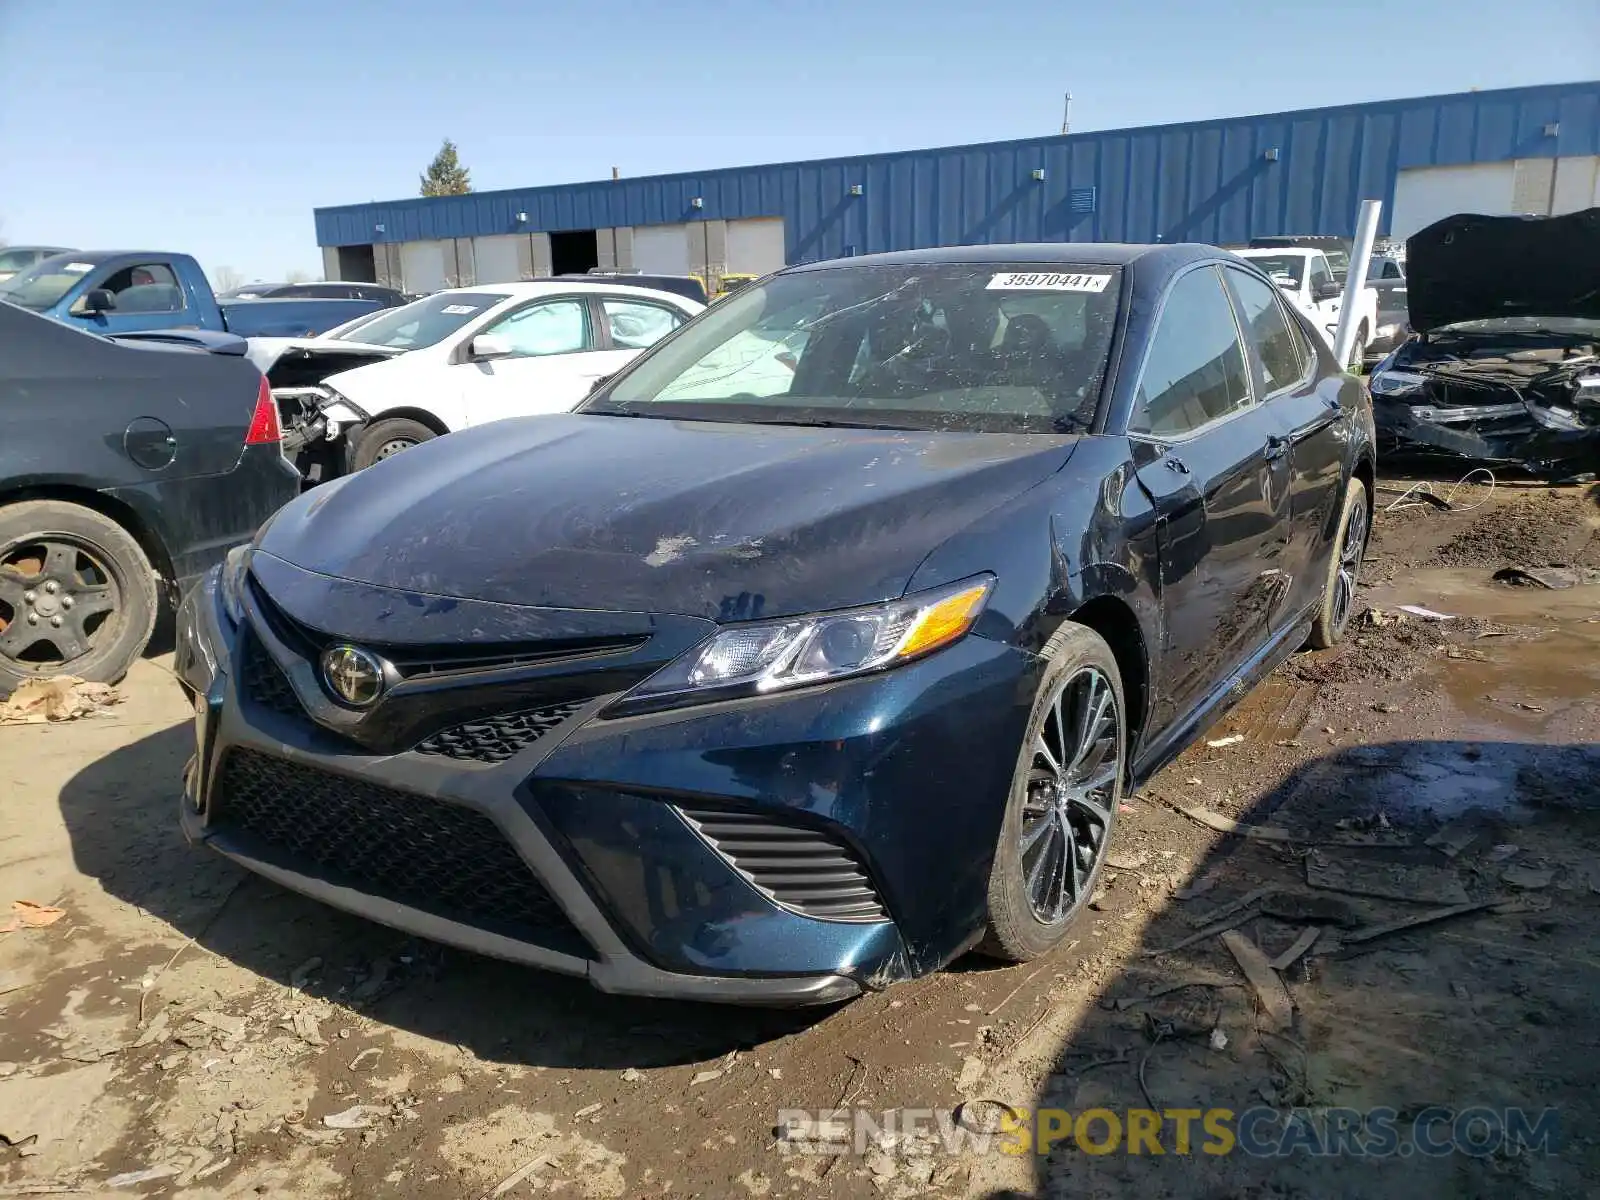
1211,181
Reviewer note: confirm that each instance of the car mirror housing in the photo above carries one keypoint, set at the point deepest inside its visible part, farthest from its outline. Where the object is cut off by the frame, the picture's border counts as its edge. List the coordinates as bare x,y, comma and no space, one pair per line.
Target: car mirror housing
490,345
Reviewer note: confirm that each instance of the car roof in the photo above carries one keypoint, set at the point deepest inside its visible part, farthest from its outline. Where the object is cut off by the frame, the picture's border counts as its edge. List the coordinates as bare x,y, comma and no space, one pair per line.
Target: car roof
53,250
1112,254
532,289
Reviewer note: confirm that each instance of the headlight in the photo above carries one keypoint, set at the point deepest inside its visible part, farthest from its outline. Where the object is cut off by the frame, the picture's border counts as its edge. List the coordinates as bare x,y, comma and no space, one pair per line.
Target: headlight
1393,383
231,584
768,656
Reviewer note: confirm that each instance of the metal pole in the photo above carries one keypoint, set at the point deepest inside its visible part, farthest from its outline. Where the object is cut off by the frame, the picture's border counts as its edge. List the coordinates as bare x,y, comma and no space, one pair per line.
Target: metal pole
1066,115
1356,278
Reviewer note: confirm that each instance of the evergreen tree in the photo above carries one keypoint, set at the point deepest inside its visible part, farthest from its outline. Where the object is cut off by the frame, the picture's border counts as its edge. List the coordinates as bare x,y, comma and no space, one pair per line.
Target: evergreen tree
445,175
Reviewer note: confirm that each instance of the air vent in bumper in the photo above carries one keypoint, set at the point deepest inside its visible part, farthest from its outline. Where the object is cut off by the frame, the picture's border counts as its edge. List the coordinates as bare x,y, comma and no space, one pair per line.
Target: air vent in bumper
264,682
443,858
497,738
799,868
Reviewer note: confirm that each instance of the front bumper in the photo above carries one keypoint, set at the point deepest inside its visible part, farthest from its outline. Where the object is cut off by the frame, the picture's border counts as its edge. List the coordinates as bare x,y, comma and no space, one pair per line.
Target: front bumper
621,826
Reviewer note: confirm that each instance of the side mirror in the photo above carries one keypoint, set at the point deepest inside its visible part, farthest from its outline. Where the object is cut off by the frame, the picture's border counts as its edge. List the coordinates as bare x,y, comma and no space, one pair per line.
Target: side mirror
95,300
490,345
1328,291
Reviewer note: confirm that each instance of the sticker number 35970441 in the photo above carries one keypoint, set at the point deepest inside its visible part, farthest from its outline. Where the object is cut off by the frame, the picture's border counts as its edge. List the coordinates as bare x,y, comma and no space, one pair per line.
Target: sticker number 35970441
1048,281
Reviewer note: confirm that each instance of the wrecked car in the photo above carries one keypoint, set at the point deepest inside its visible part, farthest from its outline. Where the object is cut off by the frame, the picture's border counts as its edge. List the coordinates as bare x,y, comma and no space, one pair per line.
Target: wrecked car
1505,364
458,358
773,683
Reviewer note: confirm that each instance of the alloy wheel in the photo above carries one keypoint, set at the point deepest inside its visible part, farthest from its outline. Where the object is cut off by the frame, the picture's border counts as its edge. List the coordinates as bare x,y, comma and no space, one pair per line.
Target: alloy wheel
1066,816
57,596
1350,555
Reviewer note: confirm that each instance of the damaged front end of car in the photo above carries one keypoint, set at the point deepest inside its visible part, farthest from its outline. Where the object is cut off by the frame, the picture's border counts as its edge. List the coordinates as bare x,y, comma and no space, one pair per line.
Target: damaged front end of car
1536,408
1505,367
314,414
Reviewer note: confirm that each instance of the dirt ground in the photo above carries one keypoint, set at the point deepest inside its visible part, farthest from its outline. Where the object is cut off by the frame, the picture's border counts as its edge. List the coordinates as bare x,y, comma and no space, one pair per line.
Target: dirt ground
186,1030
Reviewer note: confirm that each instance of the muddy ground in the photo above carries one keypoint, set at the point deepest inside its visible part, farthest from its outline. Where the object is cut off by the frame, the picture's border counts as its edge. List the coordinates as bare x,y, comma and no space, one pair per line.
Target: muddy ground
202,1027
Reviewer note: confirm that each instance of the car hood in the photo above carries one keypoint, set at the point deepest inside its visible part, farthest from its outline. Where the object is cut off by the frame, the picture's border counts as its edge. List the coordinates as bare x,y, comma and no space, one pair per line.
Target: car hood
1475,268
725,521
302,363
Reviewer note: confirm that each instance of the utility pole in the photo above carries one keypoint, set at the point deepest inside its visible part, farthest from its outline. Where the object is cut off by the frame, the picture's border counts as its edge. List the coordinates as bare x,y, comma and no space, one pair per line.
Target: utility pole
1066,116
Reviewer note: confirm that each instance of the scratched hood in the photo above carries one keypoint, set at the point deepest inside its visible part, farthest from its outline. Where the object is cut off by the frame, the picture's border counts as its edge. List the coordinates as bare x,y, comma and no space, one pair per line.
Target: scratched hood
716,520
1475,268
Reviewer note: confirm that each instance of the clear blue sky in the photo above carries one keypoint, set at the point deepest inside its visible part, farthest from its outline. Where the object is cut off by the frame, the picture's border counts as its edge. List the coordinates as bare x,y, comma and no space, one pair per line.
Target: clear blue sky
216,127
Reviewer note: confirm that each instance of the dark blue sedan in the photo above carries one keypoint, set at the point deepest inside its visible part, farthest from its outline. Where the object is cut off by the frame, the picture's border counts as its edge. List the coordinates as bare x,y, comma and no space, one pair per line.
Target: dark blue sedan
815,648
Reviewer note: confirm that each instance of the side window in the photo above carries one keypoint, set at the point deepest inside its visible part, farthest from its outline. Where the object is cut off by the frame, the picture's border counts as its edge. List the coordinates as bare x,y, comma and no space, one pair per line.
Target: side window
554,327
635,325
145,288
1319,274
1194,371
1262,315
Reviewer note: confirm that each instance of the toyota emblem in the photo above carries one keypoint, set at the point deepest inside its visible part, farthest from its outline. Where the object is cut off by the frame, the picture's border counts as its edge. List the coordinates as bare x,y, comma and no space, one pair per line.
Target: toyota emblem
353,675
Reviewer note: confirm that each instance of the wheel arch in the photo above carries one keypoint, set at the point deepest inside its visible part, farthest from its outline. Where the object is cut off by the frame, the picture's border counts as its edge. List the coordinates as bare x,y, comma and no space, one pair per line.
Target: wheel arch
420,415
124,514
1114,620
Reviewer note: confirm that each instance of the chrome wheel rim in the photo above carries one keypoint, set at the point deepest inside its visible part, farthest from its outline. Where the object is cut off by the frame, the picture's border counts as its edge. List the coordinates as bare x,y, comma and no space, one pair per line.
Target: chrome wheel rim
1072,785
1350,554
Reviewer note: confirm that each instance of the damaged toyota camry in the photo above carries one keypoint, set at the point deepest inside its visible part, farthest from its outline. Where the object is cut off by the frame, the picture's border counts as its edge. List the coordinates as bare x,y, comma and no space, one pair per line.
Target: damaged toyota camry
1507,365
815,648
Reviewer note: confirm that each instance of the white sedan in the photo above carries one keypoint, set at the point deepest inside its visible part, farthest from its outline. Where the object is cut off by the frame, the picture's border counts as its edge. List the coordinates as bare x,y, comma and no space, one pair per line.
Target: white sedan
464,357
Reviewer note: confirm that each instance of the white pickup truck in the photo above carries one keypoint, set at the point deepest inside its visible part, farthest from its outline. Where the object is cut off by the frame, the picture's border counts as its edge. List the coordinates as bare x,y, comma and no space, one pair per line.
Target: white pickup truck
1304,276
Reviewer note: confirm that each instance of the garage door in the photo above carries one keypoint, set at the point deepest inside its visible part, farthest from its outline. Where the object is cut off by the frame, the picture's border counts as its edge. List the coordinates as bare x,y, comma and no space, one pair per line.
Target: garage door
755,246
422,266
661,249
496,258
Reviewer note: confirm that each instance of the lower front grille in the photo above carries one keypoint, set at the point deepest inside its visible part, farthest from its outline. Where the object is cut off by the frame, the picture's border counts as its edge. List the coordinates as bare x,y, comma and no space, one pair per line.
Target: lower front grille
497,738
799,868
443,858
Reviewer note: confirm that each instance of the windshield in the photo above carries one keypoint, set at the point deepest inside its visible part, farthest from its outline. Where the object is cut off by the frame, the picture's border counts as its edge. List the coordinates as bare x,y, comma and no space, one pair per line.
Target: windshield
421,323
1002,347
1338,263
1285,269
15,260
45,283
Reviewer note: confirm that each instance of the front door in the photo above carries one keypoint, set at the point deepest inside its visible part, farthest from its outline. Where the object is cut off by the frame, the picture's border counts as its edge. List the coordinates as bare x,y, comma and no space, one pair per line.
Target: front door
147,295
552,364
1215,464
1306,406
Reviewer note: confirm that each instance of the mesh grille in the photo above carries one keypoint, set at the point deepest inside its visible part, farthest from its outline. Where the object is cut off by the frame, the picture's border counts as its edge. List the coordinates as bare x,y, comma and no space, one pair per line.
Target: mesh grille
264,681
440,857
799,868
495,739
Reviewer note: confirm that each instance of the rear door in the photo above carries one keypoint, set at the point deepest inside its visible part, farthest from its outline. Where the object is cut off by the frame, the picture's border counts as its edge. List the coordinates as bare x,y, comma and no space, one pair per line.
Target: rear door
627,326
1215,464
1306,406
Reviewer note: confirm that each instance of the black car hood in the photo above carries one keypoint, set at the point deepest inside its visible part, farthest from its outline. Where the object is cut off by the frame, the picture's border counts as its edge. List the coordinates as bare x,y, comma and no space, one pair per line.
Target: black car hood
731,522
1474,268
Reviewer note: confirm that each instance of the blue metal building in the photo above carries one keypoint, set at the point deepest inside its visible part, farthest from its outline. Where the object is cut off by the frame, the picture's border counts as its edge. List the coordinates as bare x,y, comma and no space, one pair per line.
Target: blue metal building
1534,149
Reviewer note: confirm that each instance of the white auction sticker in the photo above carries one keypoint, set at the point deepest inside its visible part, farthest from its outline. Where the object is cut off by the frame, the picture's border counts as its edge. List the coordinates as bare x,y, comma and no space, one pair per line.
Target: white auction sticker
458,310
1048,281
78,268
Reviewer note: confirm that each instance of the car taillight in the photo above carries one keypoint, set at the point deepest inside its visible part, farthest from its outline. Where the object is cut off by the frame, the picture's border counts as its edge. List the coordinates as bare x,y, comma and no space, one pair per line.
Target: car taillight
264,427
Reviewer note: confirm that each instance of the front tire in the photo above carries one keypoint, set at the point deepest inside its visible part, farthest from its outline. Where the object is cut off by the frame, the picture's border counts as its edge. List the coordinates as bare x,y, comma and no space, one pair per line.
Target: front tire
77,594
386,438
1344,568
1358,350
1063,801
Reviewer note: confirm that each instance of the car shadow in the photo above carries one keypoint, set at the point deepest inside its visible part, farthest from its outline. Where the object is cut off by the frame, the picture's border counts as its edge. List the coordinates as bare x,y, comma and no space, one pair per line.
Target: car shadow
121,815
1442,1024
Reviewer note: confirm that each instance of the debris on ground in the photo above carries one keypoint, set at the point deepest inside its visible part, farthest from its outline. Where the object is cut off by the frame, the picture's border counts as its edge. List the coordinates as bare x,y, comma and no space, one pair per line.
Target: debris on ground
1301,944
1386,880
1297,908
1231,739
1529,879
1428,918
1551,578
1276,1006
1455,837
59,698
1222,824
45,1108
357,1116
1219,1040
1199,979
148,1175
229,1026
1502,852
1427,614
25,914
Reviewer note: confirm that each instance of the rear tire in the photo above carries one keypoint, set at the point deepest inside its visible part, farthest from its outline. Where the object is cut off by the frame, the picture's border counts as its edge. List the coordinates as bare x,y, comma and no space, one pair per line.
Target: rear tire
1344,568
1064,797
1358,350
77,594
386,438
